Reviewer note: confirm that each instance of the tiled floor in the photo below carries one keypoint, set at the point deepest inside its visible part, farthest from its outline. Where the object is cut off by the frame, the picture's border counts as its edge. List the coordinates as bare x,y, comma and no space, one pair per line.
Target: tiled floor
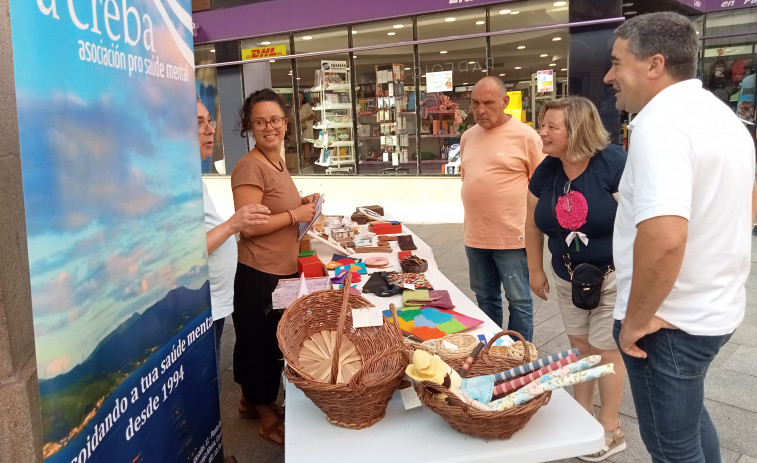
730,389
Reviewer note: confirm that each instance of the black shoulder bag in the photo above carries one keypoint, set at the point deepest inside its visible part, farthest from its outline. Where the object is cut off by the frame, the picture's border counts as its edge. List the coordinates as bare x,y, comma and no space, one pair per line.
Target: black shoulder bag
586,279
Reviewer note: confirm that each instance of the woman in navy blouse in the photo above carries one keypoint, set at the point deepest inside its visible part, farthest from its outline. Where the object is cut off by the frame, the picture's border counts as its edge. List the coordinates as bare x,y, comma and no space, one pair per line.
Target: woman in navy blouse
580,176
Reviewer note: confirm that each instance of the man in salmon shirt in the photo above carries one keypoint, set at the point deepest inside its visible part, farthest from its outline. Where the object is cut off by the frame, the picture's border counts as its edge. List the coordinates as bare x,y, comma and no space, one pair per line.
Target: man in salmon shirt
498,157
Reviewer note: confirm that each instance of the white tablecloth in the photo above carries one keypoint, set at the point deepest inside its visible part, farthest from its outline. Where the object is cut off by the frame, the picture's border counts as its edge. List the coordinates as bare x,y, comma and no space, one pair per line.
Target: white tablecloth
561,429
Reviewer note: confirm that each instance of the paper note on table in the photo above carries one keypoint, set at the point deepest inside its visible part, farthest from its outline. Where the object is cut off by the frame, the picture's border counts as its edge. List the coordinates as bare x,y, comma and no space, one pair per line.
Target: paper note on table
369,316
410,398
287,289
305,226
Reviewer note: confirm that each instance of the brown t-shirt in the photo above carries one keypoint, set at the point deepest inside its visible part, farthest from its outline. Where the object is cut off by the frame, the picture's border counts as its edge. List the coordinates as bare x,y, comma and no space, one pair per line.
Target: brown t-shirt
274,253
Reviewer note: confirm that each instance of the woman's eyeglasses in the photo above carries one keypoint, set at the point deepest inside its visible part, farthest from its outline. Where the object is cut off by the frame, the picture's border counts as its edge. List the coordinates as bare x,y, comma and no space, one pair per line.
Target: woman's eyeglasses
261,124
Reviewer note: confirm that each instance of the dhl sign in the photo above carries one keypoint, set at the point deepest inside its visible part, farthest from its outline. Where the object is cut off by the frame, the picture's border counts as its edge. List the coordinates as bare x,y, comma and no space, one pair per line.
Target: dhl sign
264,52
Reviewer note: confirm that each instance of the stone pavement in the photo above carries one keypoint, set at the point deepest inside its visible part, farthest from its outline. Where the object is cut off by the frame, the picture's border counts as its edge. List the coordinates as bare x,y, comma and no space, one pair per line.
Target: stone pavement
731,381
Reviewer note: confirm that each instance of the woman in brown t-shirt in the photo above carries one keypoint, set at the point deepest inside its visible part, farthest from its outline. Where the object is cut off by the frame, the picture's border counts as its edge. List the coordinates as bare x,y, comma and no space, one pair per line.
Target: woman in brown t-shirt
267,253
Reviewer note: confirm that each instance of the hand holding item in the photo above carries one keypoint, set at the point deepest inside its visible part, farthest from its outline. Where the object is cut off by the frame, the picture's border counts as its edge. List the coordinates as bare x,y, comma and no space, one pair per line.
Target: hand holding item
304,213
537,279
250,214
310,198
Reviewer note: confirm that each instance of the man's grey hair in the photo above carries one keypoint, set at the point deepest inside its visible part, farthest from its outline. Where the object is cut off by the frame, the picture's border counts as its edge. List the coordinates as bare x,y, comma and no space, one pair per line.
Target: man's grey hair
497,80
669,34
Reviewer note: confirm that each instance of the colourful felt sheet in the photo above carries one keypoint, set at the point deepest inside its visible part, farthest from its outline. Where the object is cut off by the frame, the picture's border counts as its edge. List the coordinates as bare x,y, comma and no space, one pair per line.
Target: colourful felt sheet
440,299
416,297
358,267
430,323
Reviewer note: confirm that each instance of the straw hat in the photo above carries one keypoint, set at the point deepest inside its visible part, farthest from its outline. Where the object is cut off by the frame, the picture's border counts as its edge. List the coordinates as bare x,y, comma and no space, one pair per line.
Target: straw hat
427,367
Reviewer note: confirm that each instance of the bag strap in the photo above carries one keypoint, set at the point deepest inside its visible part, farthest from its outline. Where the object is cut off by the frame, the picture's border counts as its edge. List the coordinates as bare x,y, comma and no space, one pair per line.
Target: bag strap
565,254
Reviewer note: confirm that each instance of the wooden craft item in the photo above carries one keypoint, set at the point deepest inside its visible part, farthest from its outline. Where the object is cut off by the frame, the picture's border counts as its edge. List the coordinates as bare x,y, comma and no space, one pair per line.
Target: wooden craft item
382,243
317,353
376,262
387,238
367,249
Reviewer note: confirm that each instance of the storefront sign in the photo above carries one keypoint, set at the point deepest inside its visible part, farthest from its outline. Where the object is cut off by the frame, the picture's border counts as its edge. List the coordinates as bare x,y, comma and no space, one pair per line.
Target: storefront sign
709,6
439,81
264,52
544,81
116,239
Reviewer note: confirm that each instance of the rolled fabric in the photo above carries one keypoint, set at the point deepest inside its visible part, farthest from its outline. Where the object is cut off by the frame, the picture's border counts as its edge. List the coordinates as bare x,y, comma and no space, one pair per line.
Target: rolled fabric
535,365
517,383
549,383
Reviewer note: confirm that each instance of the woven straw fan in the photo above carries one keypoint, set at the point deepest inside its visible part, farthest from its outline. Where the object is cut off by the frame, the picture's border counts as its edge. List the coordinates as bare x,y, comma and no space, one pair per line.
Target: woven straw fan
316,356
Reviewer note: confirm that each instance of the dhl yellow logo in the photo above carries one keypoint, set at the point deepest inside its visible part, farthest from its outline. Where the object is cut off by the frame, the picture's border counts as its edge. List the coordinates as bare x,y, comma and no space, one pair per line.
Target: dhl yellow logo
264,52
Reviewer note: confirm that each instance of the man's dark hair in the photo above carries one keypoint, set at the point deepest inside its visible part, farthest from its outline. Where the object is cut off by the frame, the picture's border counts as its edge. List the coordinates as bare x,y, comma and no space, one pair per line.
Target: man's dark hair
669,34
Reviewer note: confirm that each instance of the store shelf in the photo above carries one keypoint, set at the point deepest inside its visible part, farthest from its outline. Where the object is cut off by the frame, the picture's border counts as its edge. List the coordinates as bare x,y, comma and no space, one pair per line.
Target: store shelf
343,87
330,106
333,125
333,144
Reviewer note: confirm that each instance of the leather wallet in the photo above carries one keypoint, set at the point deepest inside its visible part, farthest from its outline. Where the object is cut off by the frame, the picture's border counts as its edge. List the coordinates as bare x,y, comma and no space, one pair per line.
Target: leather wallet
405,242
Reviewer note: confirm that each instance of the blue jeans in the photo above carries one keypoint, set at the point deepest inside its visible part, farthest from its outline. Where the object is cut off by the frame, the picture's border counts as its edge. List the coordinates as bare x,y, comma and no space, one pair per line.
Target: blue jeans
492,269
668,393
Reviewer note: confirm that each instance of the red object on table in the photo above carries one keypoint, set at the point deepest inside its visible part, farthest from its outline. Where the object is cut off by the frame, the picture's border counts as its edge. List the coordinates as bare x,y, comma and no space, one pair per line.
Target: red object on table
385,228
311,266
404,254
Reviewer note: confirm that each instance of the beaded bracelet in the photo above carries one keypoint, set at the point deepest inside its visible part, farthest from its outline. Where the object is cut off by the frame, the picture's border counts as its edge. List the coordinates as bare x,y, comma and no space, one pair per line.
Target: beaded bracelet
291,214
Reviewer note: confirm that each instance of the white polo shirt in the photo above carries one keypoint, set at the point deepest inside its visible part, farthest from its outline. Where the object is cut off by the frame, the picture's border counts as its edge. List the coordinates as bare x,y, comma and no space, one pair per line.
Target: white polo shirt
691,157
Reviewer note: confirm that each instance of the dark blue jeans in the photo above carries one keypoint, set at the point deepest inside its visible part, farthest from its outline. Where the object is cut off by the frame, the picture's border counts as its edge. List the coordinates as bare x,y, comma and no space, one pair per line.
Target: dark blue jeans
668,393
492,269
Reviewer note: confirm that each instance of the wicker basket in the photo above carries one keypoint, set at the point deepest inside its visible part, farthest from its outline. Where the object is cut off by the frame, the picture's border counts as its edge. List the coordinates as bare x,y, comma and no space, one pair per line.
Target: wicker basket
484,424
464,342
362,401
413,264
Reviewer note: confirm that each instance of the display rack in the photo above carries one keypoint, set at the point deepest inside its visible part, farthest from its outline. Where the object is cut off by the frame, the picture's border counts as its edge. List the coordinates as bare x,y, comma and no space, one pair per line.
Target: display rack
335,128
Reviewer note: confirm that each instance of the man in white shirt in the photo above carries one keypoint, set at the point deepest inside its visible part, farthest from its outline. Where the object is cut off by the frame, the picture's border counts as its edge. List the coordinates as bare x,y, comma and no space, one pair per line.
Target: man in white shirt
681,243
222,244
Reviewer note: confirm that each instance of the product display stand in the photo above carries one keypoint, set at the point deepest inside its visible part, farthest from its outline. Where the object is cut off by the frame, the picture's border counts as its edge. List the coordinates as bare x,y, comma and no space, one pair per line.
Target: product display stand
391,102
561,429
335,131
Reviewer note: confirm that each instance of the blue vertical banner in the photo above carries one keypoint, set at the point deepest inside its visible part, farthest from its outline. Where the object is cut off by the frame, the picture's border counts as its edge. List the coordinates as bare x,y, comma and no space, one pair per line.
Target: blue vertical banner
115,227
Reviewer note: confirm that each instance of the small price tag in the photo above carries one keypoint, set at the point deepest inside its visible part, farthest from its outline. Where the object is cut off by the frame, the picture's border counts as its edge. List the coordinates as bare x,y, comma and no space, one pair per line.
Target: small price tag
409,286
369,316
395,159
449,345
385,157
410,398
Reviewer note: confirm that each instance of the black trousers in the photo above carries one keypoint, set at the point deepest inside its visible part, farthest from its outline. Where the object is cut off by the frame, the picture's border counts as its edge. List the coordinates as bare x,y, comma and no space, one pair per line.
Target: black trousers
258,362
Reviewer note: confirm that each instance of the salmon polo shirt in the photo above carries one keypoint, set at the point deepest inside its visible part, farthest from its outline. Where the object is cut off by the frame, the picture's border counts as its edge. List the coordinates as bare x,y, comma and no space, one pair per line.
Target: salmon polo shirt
496,166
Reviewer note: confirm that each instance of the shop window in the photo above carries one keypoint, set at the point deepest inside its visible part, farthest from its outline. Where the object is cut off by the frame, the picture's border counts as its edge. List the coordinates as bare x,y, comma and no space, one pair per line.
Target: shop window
456,22
448,71
206,87
329,146
520,15
386,111
517,59
382,32
729,66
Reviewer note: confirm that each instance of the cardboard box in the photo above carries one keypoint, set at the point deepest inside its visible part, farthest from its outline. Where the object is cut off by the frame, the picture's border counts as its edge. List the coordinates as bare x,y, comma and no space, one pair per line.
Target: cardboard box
305,243
385,228
311,266
404,254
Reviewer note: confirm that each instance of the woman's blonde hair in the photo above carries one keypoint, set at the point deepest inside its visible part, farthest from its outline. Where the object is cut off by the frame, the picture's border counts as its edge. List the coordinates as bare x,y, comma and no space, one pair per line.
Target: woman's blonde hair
586,134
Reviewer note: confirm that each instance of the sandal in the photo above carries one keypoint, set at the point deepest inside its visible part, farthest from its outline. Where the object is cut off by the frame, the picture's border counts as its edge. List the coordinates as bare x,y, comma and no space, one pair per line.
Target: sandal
249,412
615,442
273,433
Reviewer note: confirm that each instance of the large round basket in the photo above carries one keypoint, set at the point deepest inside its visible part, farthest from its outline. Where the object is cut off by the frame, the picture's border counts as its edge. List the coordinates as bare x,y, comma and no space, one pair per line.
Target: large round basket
362,401
484,424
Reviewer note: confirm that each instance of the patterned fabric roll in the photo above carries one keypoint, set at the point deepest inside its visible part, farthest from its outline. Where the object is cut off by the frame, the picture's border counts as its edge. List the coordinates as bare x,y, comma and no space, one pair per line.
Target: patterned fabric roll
535,365
517,383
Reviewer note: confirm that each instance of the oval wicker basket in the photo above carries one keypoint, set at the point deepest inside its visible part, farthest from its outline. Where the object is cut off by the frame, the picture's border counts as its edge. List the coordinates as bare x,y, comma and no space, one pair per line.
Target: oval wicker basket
362,401
408,266
484,424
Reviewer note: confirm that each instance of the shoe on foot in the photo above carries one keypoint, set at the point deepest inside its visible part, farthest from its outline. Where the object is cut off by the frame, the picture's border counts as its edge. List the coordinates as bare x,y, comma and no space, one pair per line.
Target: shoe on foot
615,442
